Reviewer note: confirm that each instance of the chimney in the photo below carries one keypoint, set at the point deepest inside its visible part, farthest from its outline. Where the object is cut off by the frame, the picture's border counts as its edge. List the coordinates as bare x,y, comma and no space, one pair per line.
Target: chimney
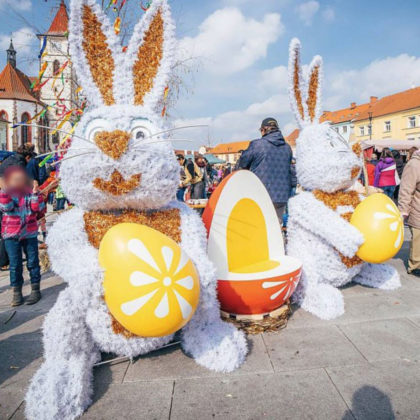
353,105
373,99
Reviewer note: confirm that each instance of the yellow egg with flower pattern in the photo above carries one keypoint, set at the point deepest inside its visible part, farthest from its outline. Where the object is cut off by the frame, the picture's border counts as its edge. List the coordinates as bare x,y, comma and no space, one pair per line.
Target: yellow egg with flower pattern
379,220
151,286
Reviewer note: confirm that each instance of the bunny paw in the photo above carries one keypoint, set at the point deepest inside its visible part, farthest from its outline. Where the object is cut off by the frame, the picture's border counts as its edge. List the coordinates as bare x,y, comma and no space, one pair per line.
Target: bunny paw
219,347
324,301
379,276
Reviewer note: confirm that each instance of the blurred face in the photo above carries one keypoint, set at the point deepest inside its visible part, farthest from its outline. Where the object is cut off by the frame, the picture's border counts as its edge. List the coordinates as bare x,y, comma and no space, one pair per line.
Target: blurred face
17,181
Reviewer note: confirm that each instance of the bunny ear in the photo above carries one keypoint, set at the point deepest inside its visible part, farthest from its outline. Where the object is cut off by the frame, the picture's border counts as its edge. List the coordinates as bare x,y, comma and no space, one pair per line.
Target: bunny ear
295,81
315,89
151,53
93,46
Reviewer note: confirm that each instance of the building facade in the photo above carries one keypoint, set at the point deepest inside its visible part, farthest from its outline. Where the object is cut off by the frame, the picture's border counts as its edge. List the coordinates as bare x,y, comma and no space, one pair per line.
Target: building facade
18,105
393,117
59,93
343,119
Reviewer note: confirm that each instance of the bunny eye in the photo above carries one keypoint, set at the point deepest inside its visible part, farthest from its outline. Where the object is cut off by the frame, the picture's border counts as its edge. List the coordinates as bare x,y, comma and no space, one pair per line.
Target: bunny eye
140,133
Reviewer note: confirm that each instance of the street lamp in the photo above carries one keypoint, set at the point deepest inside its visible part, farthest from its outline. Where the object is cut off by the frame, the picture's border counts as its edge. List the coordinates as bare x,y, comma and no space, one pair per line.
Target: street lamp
370,124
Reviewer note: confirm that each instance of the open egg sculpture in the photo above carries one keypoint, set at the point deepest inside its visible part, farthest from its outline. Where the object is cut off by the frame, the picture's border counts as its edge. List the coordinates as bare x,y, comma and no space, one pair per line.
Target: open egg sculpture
245,243
151,286
380,222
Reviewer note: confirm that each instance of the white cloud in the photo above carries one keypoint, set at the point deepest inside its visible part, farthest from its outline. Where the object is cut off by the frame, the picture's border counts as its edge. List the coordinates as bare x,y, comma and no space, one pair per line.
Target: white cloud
274,79
328,14
229,42
238,124
306,11
379,78
16,4
23,41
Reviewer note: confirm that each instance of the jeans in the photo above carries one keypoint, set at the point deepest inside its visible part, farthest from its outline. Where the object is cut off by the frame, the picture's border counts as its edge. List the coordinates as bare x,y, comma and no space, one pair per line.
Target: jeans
280,208
61,202
389,191
14,249
180,194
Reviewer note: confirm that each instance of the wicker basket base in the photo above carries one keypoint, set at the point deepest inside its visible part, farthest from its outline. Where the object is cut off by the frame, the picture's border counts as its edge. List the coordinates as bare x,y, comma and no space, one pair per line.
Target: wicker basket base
44,260
256,324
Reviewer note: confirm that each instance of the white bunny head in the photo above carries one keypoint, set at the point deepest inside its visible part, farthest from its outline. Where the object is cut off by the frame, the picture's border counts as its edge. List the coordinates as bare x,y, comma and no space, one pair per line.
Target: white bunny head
119,157
324,160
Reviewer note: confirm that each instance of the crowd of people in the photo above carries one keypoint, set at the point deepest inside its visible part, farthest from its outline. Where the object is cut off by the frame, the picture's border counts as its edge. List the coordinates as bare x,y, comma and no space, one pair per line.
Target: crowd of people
26,187
269,157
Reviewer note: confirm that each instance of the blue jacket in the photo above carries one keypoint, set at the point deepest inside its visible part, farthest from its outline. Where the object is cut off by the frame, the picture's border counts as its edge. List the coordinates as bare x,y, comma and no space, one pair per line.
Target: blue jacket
269,158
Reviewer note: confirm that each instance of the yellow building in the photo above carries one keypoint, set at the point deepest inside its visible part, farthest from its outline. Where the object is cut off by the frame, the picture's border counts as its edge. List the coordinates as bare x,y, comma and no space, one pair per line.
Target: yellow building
394,117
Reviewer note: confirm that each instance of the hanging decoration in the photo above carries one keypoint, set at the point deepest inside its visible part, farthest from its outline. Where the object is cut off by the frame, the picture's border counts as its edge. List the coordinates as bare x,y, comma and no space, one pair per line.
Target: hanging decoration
44,44
117,25
40,75
165,97
145,7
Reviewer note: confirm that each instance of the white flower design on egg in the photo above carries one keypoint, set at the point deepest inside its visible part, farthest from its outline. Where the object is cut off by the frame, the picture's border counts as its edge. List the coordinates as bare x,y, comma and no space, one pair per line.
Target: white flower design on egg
395,222
167,281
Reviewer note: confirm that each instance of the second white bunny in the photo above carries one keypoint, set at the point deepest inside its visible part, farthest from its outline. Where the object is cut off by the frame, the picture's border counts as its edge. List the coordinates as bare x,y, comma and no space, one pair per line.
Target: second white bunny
319,230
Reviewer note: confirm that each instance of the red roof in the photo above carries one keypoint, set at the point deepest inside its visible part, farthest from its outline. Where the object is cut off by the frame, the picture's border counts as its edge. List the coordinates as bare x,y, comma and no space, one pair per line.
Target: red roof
60,24
15,85
227,148
401,101
292,137
345,115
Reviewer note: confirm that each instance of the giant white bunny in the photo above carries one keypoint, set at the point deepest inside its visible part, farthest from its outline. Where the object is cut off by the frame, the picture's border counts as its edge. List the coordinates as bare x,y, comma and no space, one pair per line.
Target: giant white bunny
119,168
319,232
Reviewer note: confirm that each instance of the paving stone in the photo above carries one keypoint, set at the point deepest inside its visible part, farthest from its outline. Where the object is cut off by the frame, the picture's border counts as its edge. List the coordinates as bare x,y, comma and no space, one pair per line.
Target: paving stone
307,348
19,358
131,401
303,394
388,339
172,363
20,322
110,373
11,398
381,390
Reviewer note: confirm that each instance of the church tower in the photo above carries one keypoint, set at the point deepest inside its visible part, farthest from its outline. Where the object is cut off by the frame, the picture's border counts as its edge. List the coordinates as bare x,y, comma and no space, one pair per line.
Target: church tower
59,91
11,55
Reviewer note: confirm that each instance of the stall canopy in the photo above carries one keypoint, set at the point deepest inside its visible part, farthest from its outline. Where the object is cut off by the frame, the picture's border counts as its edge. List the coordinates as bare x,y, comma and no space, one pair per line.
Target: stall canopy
213,160
392,144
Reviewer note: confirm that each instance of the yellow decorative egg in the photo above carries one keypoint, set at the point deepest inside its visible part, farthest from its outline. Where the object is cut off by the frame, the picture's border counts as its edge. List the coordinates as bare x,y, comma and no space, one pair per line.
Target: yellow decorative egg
151,286
379,220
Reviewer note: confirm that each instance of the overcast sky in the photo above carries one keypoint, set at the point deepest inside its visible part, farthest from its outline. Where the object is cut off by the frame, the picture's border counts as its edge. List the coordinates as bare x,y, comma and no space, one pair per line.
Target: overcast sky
240,51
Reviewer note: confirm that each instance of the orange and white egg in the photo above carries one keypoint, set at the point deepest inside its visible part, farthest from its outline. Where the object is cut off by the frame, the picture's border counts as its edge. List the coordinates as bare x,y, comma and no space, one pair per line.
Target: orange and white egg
245,243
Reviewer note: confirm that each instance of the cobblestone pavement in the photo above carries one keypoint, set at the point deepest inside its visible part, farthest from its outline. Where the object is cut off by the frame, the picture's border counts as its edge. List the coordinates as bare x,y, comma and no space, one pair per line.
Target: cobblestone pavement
364,365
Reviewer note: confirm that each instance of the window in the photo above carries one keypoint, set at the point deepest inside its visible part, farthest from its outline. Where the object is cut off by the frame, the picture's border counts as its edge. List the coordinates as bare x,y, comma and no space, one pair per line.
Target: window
411,122
411,138
56,66
43,134
362,131
344,128
3,130
336,129
25,132
387,126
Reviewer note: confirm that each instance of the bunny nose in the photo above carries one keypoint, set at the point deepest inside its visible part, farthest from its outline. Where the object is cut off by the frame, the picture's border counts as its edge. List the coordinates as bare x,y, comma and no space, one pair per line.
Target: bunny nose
113,143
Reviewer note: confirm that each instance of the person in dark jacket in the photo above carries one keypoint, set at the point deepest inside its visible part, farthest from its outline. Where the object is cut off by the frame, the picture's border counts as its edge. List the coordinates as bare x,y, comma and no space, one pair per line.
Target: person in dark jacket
269,158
